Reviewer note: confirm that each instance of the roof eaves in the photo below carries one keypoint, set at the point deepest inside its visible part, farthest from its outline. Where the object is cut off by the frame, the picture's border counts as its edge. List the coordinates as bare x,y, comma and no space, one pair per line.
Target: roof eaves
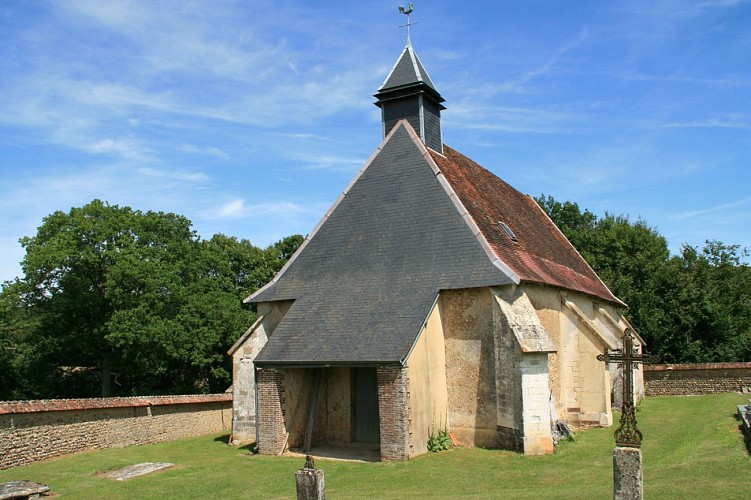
614,299
245,336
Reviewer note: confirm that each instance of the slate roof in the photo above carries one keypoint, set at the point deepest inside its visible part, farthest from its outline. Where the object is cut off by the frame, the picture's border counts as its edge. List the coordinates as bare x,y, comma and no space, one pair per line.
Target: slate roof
413,222
541,254
407,71
367,277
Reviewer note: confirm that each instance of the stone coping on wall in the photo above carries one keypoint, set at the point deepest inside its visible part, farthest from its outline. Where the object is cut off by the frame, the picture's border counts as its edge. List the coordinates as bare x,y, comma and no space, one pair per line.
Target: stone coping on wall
697,366
41,405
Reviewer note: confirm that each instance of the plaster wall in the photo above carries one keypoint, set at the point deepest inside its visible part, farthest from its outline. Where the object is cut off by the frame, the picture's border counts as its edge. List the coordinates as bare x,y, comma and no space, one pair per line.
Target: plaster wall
243,373
298,384
428,397
508,385
580,384
547,304
338,423
467,320
332,423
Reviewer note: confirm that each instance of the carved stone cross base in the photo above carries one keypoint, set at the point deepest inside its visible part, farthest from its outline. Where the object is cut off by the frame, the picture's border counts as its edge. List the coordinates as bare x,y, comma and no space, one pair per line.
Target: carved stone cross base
628,481
311,484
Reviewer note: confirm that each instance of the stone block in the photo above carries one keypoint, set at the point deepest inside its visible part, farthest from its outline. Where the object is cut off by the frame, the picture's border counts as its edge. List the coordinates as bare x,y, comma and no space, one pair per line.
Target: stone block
22,489
311,484
628,482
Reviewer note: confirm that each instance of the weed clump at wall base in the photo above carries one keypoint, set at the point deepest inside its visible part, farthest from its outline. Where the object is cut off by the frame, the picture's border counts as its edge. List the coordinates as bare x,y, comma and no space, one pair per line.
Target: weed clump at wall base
440,442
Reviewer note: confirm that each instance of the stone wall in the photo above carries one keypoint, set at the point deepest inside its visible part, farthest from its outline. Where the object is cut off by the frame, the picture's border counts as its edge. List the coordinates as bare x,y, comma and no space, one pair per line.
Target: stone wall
694,379
36,430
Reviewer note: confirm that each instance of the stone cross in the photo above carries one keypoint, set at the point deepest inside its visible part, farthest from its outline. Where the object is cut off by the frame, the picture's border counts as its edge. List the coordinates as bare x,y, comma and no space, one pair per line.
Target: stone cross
627,433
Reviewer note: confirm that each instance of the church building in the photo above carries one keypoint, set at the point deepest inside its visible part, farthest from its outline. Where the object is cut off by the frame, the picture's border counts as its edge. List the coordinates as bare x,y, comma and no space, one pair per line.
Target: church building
431,297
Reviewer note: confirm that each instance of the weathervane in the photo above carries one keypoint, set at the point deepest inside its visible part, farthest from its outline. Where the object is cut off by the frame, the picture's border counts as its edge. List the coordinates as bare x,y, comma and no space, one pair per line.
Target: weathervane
407,11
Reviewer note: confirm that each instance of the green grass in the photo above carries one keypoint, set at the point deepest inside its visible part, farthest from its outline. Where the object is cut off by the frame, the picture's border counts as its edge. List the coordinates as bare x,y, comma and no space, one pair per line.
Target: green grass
692,449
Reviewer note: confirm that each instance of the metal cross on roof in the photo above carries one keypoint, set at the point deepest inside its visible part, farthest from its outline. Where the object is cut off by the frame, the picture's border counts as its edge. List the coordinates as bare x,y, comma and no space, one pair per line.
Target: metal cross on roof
627,358
407,11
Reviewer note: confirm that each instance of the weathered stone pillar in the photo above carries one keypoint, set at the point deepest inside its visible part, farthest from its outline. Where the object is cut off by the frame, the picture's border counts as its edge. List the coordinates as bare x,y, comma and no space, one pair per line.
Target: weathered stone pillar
311,484
271,431
244,402
538,438
628,482
393,410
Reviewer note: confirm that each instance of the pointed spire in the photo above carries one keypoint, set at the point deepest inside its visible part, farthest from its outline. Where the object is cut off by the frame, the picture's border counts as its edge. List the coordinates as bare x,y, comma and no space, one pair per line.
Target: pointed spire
408,92
408,70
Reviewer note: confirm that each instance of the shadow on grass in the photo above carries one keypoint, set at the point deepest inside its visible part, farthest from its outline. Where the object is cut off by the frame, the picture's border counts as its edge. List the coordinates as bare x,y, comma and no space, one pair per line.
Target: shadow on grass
225,439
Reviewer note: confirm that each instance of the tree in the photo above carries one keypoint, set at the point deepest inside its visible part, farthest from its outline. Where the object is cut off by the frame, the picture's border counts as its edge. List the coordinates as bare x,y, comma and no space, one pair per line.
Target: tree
693,307
83,269
131,302
15,321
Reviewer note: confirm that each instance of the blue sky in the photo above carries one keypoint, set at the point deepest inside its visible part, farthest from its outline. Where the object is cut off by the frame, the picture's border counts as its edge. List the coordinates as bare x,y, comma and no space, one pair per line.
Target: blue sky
249,118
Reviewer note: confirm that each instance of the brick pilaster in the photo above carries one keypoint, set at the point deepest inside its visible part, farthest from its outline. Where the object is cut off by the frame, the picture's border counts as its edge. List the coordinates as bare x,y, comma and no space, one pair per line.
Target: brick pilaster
393,409
271,430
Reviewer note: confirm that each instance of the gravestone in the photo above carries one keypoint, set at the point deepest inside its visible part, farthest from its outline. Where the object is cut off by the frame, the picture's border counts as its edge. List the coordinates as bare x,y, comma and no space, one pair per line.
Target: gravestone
22,489
136,470
311,484
628,480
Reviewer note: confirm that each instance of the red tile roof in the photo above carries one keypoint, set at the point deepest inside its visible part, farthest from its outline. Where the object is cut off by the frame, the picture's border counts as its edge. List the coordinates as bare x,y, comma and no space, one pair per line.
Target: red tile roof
541,254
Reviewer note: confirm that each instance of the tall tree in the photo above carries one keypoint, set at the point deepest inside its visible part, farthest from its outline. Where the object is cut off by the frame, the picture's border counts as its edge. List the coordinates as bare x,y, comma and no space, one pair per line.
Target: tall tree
692,307
85,267
132,299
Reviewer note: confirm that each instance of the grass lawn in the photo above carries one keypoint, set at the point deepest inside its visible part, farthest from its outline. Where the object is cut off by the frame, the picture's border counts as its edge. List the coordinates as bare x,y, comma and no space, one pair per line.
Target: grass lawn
692,449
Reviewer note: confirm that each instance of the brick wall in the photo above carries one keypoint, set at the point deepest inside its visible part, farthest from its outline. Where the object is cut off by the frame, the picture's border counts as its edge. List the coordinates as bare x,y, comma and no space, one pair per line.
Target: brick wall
393,409
688,379
272,434
36,430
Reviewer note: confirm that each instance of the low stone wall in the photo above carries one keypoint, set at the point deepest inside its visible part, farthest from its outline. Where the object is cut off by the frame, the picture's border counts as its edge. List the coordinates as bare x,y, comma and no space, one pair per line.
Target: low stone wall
696,378
36,430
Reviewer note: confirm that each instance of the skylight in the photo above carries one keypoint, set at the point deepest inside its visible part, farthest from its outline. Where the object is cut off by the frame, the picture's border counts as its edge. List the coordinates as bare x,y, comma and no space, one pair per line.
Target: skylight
508,230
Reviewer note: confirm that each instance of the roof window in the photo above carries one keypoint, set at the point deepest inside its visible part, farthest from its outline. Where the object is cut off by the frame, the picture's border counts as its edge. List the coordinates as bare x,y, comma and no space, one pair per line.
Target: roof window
508,231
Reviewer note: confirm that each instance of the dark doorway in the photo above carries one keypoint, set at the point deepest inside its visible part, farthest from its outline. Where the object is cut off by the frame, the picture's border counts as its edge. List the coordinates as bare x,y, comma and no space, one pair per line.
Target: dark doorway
366,406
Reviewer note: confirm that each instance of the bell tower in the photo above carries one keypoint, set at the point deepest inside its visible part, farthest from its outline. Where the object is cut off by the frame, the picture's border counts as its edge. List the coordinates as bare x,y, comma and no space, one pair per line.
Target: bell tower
408,92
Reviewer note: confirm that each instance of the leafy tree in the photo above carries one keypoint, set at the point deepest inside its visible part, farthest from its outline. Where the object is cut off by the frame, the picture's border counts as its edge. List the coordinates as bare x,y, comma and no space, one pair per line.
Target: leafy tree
15,321
119,301
693,307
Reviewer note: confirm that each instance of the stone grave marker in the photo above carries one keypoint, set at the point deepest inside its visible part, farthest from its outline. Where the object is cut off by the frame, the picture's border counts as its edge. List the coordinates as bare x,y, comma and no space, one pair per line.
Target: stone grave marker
628,482
311,484
136,470
22,489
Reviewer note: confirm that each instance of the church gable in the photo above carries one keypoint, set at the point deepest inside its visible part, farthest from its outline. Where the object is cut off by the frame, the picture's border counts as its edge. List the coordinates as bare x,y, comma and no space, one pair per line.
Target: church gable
367,278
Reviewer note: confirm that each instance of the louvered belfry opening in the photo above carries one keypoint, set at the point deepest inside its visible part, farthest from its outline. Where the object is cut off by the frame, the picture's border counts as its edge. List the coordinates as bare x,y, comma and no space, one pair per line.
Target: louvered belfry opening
409,93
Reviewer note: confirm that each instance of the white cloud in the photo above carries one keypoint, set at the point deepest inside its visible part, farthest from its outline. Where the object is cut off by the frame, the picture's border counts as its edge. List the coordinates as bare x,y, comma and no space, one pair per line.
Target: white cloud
238,208
176,174
716,208
493,118
727,122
